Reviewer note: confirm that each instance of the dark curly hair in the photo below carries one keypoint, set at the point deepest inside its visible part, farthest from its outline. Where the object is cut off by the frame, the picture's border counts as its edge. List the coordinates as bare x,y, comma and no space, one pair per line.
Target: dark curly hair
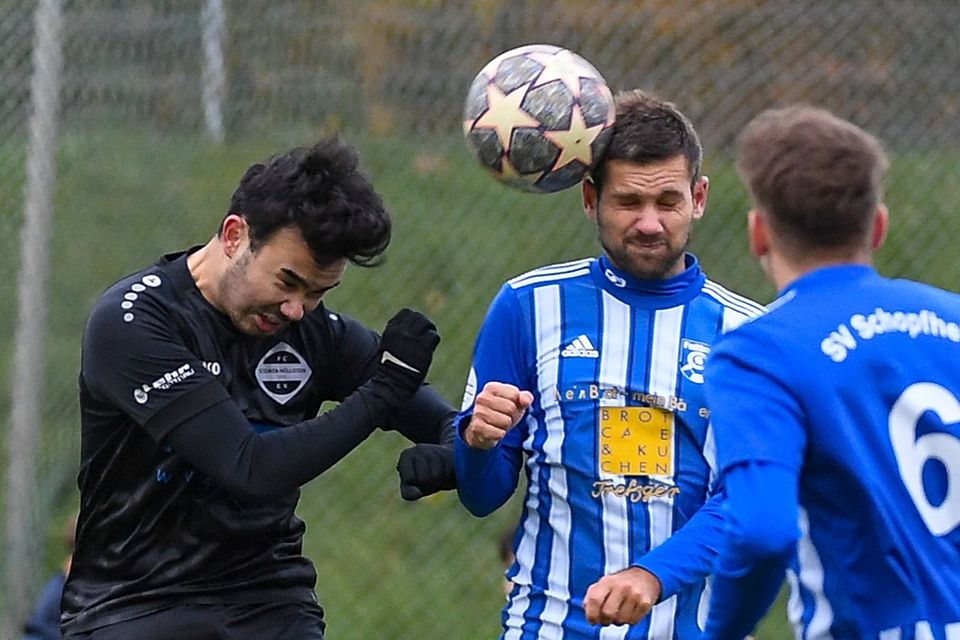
321,192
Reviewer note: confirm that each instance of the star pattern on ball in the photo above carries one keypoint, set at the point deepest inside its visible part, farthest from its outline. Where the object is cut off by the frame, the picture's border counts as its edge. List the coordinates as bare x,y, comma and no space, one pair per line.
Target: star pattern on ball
510,174
564,66
574,143
504,113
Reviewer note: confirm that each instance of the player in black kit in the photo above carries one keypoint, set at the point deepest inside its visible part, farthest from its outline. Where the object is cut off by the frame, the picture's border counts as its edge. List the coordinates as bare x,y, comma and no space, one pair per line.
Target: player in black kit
201,380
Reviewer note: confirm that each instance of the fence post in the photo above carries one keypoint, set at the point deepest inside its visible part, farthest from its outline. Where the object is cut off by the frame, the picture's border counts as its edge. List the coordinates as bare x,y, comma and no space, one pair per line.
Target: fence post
213,25
28,371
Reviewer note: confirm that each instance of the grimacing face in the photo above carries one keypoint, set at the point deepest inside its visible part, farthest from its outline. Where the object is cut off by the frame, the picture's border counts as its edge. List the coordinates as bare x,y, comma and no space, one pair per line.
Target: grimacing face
645,213
263,291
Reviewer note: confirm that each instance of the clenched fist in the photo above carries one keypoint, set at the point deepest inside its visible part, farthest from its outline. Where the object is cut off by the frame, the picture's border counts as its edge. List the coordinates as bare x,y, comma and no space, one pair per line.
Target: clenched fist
623,597
497,409
406,350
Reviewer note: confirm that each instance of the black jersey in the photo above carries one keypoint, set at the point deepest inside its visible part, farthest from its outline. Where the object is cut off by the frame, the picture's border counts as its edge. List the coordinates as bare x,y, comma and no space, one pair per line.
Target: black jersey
153,530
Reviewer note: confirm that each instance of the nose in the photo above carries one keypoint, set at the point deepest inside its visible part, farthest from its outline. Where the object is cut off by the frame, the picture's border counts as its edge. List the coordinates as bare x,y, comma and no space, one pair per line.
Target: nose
292,310
648,221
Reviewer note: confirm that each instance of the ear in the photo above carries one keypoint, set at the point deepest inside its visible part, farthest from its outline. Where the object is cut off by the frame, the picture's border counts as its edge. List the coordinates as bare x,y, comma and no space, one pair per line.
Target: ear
880,225
758,233
590,197
700,189
233,234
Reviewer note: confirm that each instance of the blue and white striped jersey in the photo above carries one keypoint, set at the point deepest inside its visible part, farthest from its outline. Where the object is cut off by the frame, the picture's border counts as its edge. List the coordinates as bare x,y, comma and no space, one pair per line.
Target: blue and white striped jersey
616,446
851,385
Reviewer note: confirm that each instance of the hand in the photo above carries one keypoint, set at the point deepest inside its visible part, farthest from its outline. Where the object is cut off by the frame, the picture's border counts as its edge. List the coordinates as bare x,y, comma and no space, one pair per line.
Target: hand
497,409
621,598
406,350
425,469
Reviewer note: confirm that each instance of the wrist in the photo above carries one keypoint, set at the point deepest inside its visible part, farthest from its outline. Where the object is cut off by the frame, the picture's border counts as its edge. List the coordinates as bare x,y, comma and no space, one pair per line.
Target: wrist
473,441
401,384
653,576
383,397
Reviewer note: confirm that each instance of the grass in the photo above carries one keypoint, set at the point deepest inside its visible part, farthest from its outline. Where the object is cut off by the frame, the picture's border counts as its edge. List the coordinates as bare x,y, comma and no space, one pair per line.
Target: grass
387,568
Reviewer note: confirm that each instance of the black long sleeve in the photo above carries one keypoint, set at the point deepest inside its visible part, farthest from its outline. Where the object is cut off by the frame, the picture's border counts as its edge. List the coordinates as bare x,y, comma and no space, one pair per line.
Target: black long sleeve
220,442
428,417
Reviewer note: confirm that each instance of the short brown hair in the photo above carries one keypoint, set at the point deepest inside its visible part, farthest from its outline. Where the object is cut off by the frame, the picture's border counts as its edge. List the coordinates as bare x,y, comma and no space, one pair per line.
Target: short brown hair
817,177
648,129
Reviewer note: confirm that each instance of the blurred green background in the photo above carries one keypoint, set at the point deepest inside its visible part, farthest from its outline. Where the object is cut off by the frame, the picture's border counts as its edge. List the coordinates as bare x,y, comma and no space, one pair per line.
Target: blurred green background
140,171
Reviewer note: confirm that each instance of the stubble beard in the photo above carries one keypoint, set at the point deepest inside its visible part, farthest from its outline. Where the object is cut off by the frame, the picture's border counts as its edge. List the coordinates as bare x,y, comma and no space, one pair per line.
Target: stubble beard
646,264
233,281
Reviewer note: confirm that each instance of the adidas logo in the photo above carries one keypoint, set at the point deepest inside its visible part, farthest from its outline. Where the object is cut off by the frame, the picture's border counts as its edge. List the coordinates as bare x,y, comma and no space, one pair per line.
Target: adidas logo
580,348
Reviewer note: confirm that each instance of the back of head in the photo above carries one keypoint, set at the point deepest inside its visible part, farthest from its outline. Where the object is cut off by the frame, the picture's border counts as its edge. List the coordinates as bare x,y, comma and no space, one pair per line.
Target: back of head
321,192
647,130
818,178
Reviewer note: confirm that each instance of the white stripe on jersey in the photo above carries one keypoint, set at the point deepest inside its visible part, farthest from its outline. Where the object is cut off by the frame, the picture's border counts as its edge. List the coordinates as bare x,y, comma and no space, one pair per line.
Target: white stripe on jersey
795,604
614,359
891,634
811,579
514,622
732,319
710,453
526,549
664,359
953,631
548,315
552,277
703,606
561,271
730,299
923,631
736,308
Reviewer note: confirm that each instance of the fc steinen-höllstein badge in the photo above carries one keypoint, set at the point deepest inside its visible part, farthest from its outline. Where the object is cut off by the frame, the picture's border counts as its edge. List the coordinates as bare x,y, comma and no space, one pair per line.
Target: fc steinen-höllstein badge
282,372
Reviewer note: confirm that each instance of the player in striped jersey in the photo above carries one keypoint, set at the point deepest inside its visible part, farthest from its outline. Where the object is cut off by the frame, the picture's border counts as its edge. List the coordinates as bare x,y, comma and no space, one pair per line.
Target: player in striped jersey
592,372
837,414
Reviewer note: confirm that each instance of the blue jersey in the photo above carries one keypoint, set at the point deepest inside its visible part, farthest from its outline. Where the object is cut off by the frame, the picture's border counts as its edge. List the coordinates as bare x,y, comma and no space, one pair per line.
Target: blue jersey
616,445
852,384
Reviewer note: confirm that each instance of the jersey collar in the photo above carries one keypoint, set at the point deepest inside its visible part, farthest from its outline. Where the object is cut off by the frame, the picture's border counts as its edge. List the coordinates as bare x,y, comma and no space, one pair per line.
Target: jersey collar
828,276
665,293
175,264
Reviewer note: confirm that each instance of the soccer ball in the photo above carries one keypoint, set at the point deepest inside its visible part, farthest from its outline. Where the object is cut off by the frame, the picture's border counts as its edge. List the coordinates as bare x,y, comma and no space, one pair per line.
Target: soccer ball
538,117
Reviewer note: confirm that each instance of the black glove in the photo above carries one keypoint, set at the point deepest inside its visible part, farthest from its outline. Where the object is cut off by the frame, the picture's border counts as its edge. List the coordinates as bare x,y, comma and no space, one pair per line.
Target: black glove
406,350
425,469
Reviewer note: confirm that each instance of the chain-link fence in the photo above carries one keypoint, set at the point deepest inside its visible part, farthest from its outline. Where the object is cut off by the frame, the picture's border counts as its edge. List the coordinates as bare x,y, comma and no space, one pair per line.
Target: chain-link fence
152,109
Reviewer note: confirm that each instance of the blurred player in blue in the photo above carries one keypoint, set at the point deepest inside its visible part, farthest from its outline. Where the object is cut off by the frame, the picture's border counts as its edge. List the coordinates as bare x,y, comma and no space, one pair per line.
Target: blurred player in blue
837,414
592,373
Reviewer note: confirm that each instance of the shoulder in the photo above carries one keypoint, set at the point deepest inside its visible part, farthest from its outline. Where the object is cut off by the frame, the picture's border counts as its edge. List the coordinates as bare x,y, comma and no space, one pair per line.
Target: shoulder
762,343
140,296
342,330
912,289
517,295
552,274
731,300
735,308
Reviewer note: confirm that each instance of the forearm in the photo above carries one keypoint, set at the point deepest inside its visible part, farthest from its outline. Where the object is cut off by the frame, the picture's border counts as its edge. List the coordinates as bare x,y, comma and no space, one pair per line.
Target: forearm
760,538
739,602
427,417
486,478
220,442
688,556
